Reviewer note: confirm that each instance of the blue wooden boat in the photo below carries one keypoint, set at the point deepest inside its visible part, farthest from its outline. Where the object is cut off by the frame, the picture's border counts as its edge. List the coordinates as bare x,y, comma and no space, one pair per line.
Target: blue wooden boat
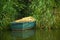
22,25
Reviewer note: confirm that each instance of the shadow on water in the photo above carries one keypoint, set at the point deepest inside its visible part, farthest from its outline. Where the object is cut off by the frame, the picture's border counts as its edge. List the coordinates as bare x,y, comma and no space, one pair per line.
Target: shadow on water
30,35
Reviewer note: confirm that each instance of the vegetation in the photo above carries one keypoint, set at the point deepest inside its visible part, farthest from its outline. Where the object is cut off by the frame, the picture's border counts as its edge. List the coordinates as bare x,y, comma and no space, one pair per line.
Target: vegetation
8,12
42,10
57,14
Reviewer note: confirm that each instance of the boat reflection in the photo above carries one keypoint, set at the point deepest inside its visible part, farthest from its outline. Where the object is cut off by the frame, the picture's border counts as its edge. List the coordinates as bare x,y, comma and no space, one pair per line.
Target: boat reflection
22,34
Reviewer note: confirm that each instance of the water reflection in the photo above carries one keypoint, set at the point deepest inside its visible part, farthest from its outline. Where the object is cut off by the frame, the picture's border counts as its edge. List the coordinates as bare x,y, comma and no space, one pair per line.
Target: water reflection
22,34
48,35
30,35
17,35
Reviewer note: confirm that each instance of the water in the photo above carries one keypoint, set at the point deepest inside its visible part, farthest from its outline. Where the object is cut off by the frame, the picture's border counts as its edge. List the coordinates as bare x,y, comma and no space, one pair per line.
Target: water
30,35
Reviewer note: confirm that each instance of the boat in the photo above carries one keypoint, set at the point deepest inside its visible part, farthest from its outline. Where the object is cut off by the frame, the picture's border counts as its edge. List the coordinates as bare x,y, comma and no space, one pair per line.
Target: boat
23,24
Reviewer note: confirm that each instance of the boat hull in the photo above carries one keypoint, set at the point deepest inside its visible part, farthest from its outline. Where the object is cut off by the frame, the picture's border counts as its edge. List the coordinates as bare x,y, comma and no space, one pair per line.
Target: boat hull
22,26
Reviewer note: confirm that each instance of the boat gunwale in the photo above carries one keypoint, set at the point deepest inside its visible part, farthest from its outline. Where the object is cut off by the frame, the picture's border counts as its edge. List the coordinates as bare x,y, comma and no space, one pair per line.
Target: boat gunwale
23,22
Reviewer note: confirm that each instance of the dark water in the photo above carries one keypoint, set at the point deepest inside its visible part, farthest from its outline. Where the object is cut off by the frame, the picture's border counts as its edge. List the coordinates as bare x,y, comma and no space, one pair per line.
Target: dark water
30,35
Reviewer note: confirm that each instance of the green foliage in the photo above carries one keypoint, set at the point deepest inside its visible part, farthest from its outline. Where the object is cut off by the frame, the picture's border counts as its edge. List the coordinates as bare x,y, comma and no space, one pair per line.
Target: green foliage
43,12
57,17
11,10
7,12
57,3
57,13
